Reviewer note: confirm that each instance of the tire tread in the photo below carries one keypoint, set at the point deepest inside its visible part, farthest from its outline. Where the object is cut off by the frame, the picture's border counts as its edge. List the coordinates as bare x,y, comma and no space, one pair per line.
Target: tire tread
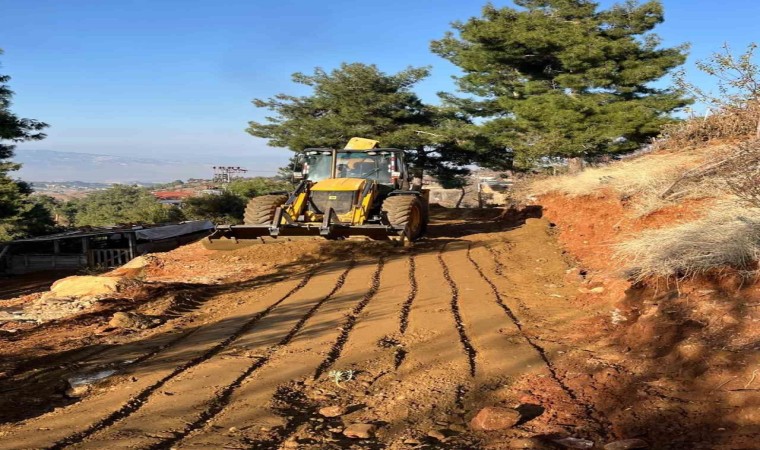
260,210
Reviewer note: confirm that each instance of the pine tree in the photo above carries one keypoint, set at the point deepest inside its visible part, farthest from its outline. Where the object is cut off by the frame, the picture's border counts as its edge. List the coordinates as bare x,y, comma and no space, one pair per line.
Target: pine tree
360,100
19,215
564,78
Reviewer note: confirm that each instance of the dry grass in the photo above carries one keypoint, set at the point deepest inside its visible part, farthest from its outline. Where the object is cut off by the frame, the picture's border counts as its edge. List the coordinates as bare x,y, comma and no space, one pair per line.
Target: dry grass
683,146
741,173
642,180
628,177
689,163
728,124
727,237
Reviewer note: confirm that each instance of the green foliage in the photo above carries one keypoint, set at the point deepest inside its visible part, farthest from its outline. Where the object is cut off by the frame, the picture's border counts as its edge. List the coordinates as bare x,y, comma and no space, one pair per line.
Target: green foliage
226,208
248,188
16,208
38,216
360,100
562,78
31,214
121,204
176,184
61,213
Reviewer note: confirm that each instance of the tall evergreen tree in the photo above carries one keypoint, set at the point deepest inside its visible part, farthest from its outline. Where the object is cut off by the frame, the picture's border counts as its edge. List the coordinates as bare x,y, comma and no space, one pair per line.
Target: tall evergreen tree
19,215
360,100
564,78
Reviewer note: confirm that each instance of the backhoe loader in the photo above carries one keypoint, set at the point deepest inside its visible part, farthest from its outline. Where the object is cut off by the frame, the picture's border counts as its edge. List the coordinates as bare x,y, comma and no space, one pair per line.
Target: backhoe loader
360,190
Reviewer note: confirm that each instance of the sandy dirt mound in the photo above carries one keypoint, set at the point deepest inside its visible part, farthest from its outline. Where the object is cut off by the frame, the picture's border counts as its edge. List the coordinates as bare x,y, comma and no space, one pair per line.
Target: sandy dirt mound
85,286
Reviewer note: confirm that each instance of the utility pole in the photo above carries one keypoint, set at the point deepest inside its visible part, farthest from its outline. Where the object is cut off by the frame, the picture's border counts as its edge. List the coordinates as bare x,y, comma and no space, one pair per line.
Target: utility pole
225,174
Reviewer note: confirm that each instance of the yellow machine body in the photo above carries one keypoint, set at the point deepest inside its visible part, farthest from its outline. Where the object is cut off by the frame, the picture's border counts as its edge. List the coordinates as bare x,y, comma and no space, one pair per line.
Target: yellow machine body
358,213
335,207
357,143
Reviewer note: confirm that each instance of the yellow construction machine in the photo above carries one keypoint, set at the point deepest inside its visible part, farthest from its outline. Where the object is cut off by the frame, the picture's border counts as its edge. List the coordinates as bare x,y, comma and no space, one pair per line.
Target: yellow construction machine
361,190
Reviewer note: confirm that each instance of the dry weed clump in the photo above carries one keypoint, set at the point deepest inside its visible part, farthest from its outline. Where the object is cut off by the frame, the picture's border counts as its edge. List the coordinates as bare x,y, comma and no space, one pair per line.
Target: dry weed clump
727,237
742,172
651,173
730,123
733,171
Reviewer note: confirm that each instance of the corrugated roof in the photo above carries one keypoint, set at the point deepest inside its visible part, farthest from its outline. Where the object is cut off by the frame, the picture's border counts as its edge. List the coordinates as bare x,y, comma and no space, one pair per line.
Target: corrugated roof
103,231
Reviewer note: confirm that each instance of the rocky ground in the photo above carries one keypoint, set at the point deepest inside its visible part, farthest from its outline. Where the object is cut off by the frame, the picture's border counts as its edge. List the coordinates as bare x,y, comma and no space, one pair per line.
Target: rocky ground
488,334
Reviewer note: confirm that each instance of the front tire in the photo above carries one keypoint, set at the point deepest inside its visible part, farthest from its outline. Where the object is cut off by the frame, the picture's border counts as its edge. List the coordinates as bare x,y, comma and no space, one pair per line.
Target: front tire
406,211
260,210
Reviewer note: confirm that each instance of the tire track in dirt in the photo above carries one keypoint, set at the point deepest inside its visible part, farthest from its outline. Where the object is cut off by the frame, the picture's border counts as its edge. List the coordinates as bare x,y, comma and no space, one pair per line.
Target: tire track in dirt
463,338
499,269
137,401
406,308
369,354
590,412
408,400
222,399
350,322
498,266
299,420
265,409
502,356
176,310
160,348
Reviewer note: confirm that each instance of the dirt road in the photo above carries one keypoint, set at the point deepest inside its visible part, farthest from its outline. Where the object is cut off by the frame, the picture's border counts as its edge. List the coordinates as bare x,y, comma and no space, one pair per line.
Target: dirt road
412,341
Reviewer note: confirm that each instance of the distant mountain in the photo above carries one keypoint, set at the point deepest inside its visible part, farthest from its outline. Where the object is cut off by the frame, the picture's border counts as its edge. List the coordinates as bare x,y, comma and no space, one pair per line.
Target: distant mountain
49,165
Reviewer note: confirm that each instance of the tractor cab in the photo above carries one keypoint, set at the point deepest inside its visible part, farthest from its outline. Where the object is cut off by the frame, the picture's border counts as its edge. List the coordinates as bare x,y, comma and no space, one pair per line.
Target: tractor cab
384,166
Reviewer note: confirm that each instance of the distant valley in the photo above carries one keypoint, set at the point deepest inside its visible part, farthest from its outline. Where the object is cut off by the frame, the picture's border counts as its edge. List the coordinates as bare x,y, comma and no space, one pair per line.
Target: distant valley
57,166
53,166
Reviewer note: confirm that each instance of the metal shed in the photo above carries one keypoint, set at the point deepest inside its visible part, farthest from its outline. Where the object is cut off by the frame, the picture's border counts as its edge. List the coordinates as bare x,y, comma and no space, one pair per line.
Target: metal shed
100,247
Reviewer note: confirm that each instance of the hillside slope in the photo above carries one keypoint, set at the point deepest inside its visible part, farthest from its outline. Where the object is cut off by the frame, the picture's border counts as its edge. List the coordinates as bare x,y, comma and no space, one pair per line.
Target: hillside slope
678,277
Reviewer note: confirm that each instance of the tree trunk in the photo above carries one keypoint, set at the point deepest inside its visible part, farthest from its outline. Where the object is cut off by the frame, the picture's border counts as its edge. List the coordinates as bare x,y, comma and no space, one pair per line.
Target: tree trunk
421,160
461,197
419,171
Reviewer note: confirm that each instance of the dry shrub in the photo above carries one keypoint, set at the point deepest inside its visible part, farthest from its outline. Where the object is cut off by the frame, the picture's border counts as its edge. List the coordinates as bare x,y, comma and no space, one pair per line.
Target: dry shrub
641,179
728,124
727,237
730,171
742,172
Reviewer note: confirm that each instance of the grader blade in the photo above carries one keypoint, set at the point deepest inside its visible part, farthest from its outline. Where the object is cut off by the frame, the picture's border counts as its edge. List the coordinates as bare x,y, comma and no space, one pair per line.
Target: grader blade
239,236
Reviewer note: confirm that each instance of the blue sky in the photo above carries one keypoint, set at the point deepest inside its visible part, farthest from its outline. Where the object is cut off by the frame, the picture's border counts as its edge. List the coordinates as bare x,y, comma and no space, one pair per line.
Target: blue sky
174,79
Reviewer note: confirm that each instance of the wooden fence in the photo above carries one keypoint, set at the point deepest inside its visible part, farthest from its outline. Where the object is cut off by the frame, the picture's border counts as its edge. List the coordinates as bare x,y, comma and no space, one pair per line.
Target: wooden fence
110,257
18,264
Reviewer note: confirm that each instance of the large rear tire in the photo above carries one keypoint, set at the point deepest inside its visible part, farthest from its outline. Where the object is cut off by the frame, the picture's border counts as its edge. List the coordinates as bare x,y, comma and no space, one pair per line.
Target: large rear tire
260,210
406,211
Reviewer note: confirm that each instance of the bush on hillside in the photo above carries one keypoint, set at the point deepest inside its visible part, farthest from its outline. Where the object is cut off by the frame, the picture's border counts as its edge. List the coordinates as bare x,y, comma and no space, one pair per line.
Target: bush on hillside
728,237
34,217
640,182
742,173
247,188
734,112
727,124
121,204
226,208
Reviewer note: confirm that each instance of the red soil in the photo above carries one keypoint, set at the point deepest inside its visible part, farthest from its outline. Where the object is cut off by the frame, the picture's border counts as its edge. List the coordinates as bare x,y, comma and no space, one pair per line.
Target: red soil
682,359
